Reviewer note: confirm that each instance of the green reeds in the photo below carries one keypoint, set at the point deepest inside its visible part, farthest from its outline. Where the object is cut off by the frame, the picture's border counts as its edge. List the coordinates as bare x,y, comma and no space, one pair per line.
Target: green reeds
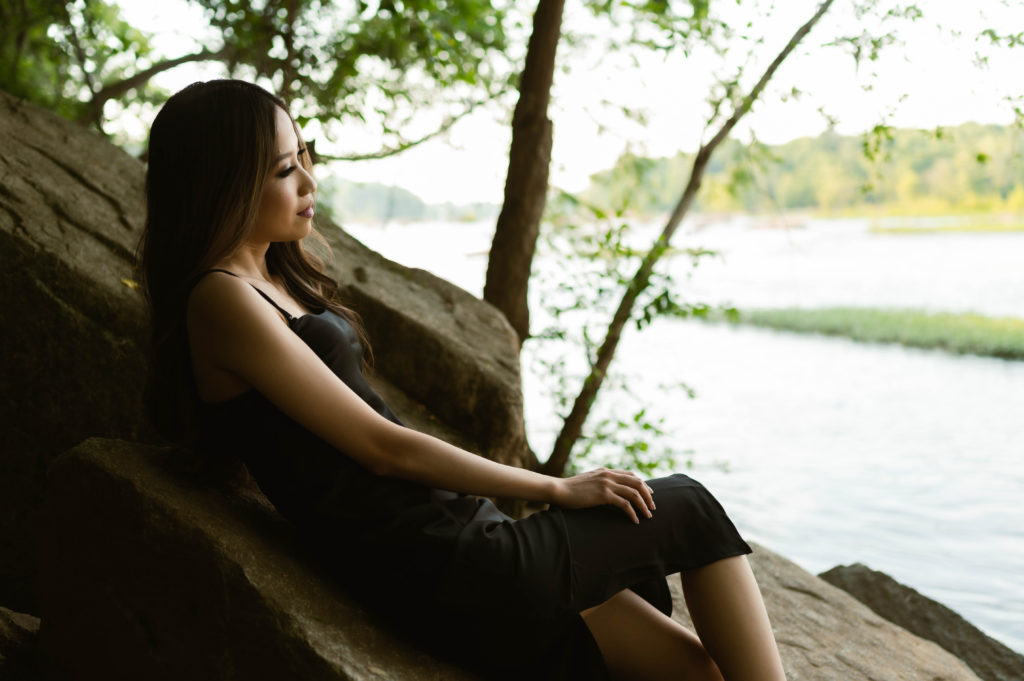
962,333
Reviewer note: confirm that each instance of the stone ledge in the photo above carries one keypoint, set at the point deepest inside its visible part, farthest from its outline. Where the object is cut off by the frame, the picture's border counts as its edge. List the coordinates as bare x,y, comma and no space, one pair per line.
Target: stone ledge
904,606
824,634
144,577
18,655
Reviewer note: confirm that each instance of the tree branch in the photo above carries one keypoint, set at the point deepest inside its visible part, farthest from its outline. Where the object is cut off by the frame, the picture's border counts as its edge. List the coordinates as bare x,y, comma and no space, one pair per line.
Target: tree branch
405,144
93,113
572,428
115,90
76,46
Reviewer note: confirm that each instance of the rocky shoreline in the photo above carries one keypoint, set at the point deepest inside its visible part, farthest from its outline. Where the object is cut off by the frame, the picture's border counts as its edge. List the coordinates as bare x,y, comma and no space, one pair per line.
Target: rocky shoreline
143,574
22,660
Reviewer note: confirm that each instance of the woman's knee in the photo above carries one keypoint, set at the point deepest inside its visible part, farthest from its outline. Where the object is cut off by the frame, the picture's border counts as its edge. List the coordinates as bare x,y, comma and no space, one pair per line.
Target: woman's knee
686,499
639,642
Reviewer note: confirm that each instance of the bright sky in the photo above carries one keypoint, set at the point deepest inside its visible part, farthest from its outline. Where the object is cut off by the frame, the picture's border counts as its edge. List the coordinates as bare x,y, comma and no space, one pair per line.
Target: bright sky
932,80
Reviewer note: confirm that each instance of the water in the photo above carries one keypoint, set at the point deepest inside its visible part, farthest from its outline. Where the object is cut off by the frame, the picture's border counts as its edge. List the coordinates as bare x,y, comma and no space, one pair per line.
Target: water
834,452
839,262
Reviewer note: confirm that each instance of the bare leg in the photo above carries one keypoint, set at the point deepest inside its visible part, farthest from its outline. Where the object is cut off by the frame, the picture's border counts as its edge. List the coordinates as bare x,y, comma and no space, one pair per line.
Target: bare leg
639,643
729,615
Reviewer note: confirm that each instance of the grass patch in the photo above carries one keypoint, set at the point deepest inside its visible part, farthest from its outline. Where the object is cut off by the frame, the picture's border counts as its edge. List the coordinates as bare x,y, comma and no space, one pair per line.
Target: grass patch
962,333
974,228
949,224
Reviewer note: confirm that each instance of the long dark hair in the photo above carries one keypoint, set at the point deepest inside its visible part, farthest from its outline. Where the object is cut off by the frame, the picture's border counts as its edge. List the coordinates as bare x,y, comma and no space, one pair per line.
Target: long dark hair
211,149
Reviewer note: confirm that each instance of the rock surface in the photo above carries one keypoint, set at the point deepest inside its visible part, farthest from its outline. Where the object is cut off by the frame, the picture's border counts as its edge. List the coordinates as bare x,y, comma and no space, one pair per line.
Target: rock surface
18,632
442,346
72,366
172,582
824,634
990,659
145,577
69,216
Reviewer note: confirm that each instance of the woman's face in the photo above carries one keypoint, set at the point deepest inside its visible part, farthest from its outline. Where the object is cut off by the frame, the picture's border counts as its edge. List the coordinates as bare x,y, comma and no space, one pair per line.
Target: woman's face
286,206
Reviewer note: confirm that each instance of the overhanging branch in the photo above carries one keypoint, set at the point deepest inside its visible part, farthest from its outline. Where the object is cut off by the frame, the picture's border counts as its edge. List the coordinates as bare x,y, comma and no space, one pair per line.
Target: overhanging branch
572,428
405,145
115,90
93,112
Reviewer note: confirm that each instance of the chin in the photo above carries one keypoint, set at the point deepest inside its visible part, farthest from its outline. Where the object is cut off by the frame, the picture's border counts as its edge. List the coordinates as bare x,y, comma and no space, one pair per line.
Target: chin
302,231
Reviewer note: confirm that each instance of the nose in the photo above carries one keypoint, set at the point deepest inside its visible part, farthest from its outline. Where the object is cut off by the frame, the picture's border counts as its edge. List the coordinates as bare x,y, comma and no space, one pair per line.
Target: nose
309,184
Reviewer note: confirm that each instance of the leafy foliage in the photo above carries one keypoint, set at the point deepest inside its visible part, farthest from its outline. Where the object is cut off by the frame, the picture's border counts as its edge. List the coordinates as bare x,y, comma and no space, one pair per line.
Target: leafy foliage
598,251
59,54
663,25
378,62
971,167
355,60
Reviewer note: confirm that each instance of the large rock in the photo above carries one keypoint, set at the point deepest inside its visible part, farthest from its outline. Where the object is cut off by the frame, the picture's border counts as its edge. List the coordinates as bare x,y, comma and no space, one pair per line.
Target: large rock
143,576
147,577
443,346
18,658
72,366
824,634
990,659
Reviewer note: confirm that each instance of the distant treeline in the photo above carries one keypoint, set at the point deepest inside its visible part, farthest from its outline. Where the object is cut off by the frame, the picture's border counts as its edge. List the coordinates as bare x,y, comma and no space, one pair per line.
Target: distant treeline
969,168
373,203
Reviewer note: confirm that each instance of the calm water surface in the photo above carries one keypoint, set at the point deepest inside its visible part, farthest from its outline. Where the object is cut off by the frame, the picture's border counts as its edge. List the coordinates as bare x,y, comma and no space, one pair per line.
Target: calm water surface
828,451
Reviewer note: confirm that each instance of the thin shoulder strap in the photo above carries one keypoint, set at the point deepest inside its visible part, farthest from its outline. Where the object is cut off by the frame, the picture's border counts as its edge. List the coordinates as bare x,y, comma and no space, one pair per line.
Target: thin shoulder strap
217,269
267,298
270,300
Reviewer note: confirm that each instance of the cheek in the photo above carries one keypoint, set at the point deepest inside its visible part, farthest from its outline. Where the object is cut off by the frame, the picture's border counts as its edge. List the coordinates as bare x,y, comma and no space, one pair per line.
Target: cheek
270,201
271,205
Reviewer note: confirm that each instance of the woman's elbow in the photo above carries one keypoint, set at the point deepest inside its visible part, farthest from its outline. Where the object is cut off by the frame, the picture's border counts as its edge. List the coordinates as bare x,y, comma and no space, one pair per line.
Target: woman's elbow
383,466
382,454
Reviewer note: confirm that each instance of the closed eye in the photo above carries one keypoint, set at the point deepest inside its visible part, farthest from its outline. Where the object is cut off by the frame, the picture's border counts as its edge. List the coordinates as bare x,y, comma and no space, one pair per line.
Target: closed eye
290,169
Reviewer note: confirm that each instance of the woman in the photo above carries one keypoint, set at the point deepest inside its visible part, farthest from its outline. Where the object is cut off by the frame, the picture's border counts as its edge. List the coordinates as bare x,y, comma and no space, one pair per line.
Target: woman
253,357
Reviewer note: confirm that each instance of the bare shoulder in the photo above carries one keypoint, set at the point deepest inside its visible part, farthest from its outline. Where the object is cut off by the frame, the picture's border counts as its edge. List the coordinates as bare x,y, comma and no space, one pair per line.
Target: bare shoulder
220,301
235,337
225,314
217,292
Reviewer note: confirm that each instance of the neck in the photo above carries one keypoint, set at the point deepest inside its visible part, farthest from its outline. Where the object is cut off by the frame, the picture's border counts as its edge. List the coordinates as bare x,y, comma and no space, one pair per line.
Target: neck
248,261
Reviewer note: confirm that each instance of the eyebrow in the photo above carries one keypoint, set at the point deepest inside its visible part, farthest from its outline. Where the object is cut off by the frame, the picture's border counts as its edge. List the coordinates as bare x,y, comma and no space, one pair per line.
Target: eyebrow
300,152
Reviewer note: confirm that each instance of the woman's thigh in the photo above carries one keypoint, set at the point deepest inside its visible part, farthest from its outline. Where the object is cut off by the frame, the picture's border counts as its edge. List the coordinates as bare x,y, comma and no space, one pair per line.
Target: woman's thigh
610,553
639,642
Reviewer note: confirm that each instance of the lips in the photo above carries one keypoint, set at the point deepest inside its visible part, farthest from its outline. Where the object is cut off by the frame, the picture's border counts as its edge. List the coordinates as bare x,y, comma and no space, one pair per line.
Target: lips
308,213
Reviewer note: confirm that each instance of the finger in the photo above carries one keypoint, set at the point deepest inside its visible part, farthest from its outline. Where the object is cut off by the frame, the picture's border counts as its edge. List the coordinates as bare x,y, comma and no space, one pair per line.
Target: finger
648,493
627,508
642,487
635,498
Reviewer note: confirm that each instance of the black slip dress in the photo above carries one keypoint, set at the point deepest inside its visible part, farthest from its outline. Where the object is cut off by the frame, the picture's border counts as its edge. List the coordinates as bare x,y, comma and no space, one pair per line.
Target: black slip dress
497,594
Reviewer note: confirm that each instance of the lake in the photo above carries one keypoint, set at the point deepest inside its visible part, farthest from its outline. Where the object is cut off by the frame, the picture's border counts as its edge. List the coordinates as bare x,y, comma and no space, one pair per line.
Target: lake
825,450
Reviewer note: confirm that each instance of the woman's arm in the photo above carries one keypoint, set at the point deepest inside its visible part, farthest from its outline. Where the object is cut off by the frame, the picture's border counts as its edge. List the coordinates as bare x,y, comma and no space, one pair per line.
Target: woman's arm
240,333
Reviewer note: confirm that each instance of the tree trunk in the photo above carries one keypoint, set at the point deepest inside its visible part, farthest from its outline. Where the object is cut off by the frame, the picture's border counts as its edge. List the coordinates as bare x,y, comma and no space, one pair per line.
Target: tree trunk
572,428
526,186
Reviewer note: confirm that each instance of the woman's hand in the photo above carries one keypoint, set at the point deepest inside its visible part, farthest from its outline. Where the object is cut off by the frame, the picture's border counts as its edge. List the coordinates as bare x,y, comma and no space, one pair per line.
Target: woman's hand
603,486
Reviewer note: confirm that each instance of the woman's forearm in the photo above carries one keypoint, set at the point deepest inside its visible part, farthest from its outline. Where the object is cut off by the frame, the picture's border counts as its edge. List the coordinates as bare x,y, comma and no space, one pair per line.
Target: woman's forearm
421,458
418,457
